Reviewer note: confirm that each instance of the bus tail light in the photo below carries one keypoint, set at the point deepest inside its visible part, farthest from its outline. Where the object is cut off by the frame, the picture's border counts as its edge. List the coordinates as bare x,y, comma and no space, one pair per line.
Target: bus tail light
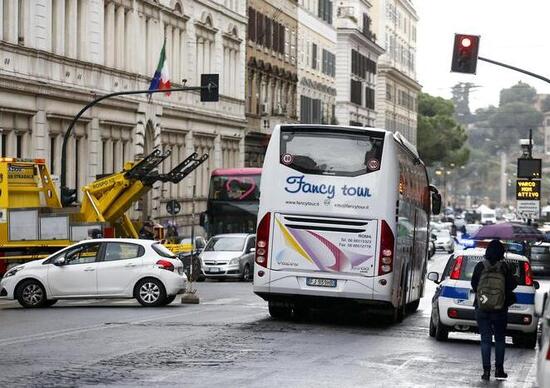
262,240
457,267
385,264
528,274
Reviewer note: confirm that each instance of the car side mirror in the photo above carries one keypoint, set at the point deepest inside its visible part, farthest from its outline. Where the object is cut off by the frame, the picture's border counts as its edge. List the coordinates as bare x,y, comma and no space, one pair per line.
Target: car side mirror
60,261
252,250
434,277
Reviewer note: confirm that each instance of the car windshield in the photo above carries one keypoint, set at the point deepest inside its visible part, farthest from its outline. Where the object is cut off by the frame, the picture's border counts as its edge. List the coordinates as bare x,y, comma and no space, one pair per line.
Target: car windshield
538,250
225,244
162,250
442,233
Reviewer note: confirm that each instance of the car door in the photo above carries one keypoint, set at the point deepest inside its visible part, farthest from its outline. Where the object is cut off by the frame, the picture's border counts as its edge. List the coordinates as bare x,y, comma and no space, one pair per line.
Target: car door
119,267
77,276
248,256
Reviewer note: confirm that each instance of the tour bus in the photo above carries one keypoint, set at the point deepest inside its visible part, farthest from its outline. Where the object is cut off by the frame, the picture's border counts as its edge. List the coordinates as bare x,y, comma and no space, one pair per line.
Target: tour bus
343,220
233,201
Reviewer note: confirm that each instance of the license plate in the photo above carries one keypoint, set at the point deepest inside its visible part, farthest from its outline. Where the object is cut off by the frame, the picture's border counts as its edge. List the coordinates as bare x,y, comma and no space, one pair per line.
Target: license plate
214,270
316,282
537,268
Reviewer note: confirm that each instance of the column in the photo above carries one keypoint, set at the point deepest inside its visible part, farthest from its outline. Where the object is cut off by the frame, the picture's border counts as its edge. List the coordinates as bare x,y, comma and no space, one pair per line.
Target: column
82,31
169,53
200,59
58,27
176,54
70,28
40,139
10,19
119,37
109,38
183,58
235,75
130,37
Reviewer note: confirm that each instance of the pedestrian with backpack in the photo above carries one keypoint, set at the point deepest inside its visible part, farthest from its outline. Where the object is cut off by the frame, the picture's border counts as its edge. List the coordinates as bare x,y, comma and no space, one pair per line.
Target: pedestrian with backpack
493,283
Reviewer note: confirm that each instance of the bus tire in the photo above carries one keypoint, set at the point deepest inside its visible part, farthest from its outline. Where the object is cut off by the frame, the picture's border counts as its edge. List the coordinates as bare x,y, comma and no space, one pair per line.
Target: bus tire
278,311
413,306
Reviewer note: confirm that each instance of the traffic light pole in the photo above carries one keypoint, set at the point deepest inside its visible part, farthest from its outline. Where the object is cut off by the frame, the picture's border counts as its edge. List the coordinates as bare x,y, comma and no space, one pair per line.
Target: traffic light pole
65,191
514,68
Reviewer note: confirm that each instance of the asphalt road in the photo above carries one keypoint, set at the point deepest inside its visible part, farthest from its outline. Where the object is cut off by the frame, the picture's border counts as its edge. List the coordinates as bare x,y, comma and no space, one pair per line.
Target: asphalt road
229,340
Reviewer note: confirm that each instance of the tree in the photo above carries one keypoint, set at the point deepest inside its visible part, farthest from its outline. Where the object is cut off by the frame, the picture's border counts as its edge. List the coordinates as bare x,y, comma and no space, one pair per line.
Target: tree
545,105
440,138
512,121
520,92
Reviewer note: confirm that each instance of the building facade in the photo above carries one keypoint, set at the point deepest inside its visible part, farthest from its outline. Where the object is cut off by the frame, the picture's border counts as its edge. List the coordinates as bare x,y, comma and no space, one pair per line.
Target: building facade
396,89
271,72
57,55
316,62
356,66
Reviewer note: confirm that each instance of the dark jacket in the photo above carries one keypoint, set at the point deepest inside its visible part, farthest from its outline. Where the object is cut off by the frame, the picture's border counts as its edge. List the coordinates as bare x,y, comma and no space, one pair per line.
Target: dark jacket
511,283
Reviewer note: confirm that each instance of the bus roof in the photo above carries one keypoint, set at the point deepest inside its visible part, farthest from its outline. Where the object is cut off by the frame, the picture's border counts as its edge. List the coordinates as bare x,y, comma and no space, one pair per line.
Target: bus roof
237,171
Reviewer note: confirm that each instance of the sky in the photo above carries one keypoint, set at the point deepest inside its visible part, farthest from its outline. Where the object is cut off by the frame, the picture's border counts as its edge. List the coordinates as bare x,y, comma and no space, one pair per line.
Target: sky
514,32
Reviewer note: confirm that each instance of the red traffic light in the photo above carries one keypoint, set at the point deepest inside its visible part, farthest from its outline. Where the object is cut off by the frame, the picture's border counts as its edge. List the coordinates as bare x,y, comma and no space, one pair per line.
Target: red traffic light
465,51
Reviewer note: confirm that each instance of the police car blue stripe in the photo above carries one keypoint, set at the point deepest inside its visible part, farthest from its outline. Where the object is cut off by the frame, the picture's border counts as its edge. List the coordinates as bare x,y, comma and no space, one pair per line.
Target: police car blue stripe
455,292
463,293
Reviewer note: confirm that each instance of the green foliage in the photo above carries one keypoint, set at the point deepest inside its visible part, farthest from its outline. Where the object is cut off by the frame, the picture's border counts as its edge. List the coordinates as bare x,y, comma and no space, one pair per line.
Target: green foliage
440,138
545,106
512,122
520,92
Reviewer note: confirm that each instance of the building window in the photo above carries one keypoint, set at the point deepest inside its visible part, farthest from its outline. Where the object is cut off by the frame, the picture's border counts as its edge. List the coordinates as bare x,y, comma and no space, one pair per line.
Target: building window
52,154
369,98
329,63
356,93
389,92
4,144
310,110
251,24
325,10
19,146
361,66
314,56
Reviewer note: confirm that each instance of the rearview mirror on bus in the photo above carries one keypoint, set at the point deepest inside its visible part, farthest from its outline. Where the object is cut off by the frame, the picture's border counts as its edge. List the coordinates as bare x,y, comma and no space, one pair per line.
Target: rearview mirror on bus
436,200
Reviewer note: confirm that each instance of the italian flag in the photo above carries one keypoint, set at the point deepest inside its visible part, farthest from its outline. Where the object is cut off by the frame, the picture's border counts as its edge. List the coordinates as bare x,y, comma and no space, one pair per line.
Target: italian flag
161,79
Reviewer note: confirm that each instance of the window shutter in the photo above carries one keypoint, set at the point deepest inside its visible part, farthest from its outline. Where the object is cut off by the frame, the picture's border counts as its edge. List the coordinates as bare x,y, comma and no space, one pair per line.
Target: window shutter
251,24
282,39
275,36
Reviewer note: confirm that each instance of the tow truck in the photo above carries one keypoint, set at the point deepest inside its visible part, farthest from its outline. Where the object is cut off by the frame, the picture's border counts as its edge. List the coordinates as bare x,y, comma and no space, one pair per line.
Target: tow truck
34,224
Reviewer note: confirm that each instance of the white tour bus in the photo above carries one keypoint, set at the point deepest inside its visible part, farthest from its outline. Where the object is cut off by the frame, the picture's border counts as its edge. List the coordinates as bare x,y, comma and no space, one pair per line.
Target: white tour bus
343,219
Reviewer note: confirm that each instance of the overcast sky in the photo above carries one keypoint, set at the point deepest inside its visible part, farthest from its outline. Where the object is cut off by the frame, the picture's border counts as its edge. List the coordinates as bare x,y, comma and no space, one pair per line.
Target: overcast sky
513,32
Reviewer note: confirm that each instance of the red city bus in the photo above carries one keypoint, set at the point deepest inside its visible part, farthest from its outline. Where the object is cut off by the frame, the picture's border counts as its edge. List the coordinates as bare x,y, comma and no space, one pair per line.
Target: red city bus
233,201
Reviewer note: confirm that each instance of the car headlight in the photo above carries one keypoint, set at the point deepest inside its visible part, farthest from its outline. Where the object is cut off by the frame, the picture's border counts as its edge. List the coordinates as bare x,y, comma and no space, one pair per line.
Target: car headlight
234,261
13,271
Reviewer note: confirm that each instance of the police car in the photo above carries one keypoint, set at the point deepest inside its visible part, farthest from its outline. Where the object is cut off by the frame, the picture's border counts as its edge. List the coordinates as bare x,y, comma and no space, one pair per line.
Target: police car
452,304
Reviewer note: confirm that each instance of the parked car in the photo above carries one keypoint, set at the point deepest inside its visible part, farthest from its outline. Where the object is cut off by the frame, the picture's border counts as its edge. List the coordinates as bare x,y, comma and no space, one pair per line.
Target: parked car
543,359
444,240
540,259
101,268
229,256
452,303
431,248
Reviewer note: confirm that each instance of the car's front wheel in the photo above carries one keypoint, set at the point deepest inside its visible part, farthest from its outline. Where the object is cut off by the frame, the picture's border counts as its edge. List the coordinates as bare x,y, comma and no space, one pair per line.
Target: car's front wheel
150,292
31,294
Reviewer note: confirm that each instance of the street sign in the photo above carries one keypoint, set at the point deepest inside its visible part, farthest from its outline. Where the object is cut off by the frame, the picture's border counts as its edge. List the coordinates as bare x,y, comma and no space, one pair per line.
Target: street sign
173,207
529,208
527,189
529,168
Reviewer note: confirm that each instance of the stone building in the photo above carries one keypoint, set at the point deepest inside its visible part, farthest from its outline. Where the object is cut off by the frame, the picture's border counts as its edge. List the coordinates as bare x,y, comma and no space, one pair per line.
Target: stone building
316,62
57,55
356,66
396,87
271,72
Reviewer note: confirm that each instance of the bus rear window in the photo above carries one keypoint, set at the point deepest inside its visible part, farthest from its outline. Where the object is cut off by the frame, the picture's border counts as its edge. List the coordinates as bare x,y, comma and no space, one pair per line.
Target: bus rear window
331,152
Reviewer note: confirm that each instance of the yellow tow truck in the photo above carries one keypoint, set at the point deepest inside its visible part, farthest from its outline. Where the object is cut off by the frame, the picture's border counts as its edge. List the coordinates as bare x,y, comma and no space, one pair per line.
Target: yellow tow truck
34,224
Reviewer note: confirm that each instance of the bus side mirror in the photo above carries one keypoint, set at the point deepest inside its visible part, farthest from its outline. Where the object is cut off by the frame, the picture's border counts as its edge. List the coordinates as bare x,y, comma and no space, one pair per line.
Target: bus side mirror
436,200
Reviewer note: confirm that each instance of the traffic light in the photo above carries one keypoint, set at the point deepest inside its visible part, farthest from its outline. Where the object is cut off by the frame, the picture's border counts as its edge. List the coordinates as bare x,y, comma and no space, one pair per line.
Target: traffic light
465,52
210,89
68,196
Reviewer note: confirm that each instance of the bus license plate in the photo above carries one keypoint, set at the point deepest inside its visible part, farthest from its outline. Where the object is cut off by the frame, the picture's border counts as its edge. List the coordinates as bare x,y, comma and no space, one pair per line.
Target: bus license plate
316,282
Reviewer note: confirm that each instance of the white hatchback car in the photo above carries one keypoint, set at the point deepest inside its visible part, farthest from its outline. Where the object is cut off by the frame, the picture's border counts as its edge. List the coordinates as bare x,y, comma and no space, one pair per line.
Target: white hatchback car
452,303
96,269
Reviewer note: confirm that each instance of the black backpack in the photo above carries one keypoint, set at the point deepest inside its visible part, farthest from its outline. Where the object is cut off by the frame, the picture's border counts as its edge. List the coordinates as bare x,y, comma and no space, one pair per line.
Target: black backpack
491,289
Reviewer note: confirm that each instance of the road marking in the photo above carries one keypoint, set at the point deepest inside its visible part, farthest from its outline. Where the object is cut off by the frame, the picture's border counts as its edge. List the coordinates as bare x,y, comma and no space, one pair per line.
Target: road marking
222,301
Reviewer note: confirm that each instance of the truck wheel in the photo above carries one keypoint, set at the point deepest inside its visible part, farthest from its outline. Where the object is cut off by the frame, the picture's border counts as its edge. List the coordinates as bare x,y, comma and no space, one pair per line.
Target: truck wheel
31,294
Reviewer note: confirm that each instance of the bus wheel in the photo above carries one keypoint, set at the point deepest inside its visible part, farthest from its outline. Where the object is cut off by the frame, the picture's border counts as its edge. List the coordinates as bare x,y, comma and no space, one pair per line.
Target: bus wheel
413,306
279,311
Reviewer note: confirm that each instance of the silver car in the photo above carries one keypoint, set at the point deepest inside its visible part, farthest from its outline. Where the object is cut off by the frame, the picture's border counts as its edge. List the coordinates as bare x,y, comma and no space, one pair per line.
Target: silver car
229,256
